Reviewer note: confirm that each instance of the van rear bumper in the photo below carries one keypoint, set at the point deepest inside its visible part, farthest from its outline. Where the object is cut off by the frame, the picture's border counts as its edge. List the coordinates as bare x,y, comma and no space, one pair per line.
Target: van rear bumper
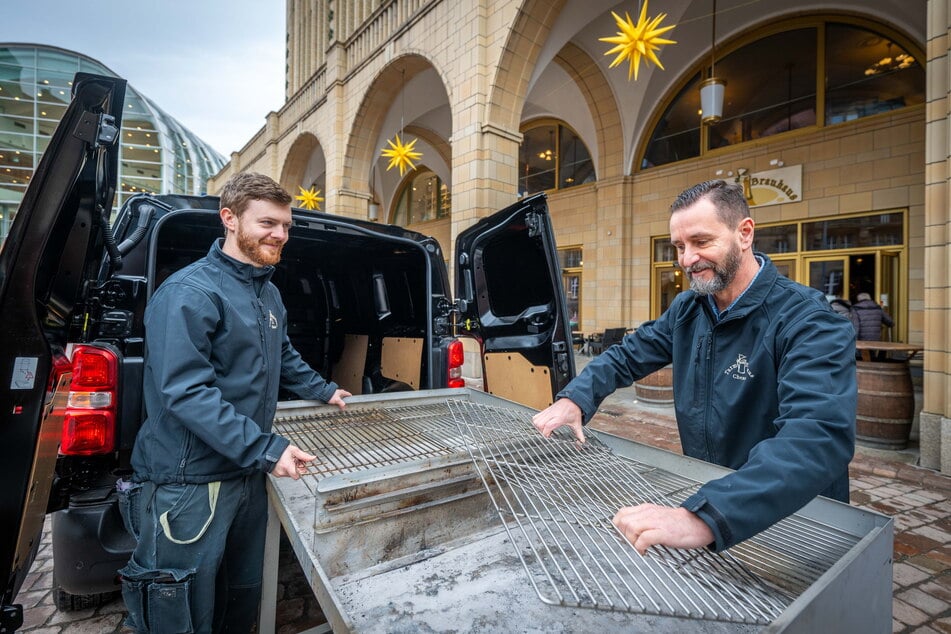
90,543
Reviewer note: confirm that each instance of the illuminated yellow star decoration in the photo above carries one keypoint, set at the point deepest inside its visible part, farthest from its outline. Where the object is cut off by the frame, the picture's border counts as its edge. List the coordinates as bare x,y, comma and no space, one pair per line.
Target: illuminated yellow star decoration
637,41
400,155
310,198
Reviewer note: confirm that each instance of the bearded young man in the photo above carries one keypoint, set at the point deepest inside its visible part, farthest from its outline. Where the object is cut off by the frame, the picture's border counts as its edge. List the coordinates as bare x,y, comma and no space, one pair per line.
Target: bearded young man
764,382
217,352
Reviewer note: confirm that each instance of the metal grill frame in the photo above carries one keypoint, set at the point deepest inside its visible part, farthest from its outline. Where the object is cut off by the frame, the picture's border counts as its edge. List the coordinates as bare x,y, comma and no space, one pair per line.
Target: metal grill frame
861,576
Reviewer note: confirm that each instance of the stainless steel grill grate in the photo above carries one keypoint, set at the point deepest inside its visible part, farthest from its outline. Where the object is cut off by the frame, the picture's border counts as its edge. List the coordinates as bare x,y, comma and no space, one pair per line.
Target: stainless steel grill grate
361,439
556,499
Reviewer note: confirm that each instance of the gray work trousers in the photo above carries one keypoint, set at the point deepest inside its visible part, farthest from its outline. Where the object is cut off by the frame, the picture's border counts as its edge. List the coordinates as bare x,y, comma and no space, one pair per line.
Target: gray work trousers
198,560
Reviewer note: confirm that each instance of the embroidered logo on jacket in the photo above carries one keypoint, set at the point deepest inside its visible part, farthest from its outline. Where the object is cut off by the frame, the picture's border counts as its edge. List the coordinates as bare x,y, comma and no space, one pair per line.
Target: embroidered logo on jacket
272,320
741,369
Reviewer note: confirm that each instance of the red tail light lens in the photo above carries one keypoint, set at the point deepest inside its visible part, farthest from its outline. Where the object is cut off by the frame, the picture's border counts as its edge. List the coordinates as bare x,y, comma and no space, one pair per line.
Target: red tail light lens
89,424
457,357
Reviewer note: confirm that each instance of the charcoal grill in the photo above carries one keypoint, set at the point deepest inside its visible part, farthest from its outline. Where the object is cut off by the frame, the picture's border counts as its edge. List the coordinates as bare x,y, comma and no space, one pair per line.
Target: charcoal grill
445,510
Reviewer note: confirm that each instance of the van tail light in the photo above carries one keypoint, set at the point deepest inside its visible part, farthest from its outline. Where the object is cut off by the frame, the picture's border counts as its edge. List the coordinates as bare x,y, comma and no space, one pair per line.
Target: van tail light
89,424
456,358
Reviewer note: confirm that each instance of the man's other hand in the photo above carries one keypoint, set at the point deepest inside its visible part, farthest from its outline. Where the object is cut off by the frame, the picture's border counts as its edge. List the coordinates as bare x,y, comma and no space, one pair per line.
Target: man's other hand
337,398
292,463
561,412
648,525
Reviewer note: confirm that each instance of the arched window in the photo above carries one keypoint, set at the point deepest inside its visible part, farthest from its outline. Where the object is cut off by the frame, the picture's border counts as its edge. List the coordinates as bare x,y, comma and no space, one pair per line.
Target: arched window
804,73
552,156
424,197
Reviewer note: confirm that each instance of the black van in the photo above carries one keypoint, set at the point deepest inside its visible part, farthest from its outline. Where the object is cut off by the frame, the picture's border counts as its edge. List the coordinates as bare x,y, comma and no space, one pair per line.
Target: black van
369,306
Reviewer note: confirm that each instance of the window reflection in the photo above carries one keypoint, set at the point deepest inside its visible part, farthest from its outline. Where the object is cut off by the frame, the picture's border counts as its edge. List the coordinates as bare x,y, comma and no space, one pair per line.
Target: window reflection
772,88
677,136
424,197
867,73
863,231
552,156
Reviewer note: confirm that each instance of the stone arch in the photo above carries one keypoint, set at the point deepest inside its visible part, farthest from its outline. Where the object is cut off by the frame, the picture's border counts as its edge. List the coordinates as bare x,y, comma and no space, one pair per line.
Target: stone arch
377,102
298,156
514,71
603,107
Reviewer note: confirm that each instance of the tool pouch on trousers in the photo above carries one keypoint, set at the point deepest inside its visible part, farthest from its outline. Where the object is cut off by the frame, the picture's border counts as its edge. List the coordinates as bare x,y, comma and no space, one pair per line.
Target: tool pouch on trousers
157,600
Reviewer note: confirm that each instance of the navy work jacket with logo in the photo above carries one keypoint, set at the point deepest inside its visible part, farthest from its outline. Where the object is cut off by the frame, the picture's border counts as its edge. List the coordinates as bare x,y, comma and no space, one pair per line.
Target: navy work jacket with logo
768,390
217,354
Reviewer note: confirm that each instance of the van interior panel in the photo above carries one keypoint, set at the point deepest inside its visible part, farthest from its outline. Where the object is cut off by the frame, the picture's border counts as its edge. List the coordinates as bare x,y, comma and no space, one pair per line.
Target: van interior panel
515,378
401,359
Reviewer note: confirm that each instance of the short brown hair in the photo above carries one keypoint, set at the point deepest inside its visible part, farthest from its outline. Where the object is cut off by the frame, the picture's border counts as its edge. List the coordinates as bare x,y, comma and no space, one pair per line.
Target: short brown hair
727,198
244,187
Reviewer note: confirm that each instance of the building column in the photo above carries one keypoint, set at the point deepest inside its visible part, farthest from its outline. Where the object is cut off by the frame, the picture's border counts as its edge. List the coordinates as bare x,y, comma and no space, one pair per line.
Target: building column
484,175
935,435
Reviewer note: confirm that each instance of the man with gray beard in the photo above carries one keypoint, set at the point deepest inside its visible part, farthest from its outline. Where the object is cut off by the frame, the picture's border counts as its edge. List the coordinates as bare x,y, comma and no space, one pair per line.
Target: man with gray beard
764,382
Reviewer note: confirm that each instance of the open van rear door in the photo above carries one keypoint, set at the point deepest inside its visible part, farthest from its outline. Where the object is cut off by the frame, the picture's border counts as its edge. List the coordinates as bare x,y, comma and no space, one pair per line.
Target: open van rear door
509,295
55,244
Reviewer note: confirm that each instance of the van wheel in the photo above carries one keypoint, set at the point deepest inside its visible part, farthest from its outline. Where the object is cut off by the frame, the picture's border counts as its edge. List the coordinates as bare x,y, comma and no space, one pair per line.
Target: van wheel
71,602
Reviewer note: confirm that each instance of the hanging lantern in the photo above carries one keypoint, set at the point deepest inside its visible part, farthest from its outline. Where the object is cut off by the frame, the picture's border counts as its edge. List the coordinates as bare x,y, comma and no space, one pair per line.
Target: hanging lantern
712,89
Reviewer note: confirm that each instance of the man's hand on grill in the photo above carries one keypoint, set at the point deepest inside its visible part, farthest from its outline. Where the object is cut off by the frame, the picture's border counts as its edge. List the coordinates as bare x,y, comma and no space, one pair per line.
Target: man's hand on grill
648,525
561,412
337,398
292,463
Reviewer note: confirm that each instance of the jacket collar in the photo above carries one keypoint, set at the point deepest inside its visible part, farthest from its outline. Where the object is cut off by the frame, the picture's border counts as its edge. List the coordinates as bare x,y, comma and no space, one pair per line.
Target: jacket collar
241,270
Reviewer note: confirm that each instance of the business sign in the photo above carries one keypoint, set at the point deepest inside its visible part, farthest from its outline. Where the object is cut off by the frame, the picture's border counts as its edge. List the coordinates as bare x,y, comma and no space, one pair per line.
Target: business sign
773,187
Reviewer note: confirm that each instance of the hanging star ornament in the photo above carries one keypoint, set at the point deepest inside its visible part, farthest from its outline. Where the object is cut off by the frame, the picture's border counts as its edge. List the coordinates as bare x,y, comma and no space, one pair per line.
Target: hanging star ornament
310,198
634,42
400,155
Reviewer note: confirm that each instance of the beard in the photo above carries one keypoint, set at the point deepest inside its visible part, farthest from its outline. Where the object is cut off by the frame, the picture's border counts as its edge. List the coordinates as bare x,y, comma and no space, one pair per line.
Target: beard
723,274
255,250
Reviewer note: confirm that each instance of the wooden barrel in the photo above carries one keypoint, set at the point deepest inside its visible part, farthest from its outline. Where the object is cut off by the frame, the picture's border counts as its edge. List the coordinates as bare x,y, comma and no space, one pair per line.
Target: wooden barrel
886,404
656,388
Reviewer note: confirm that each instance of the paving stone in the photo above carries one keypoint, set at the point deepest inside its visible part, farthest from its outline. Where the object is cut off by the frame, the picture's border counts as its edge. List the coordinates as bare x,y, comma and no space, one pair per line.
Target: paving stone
928,604
941,537
943,625
906,575
905,522
937,590
72,616
97,625
37,616
929,563
32,599
908,614
935,496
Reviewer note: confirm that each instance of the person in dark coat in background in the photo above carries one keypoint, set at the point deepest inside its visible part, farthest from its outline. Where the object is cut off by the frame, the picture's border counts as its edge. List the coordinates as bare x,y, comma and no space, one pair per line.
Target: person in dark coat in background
841,306
868,317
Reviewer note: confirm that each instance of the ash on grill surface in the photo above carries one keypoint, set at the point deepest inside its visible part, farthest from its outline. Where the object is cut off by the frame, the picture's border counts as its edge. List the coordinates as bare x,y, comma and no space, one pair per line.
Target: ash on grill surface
556,499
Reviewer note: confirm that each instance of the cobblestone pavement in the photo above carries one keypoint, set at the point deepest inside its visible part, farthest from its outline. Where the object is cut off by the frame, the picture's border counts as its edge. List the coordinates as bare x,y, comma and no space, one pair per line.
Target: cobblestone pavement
885,481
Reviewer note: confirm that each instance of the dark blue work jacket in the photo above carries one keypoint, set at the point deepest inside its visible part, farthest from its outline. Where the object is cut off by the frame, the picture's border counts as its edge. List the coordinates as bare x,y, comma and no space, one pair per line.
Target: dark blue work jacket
768,389
217,353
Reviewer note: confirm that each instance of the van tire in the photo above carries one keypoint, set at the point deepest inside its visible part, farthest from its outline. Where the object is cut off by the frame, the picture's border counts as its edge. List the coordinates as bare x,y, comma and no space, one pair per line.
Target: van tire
66,602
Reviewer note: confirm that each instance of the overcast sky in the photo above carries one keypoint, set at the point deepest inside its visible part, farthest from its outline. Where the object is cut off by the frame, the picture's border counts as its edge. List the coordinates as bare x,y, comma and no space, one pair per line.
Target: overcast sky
215,65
